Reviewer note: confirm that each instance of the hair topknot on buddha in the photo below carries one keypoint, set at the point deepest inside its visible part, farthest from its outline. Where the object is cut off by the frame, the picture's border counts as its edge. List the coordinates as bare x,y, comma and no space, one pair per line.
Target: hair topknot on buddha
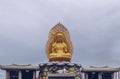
59,46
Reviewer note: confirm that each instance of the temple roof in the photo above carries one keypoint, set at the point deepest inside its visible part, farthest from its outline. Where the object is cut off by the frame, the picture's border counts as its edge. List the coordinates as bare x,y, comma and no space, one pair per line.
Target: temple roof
99,69
20,67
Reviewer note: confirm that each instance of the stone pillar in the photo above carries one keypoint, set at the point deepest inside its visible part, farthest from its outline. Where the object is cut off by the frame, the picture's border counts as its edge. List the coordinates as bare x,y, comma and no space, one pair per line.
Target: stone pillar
112,75
7,74
83,75
118,74
39,75
99,75
20,75
34,74
86,76
115,75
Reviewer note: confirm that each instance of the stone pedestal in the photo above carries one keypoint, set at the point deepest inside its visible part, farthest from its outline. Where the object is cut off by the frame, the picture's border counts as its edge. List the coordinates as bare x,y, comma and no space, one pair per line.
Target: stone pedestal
49,70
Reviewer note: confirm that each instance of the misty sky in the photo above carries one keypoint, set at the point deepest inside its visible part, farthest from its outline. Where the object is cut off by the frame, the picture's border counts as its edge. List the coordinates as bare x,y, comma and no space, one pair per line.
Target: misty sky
94,27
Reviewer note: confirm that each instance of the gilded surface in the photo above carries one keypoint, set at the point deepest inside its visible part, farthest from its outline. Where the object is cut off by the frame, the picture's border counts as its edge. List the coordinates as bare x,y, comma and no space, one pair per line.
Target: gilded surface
59,46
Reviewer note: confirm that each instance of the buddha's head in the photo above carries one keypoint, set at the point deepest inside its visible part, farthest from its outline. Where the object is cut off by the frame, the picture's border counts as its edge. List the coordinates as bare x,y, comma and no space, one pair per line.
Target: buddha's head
59,38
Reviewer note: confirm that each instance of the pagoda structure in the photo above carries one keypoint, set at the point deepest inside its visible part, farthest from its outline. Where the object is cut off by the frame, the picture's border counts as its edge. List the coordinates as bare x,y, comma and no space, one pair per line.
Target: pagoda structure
59,51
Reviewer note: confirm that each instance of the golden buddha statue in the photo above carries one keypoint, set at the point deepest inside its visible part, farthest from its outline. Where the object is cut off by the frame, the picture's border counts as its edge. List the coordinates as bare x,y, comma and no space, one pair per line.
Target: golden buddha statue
59,47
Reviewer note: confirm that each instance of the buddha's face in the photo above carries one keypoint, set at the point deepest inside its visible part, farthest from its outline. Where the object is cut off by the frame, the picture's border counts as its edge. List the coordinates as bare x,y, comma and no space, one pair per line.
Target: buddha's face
59,38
